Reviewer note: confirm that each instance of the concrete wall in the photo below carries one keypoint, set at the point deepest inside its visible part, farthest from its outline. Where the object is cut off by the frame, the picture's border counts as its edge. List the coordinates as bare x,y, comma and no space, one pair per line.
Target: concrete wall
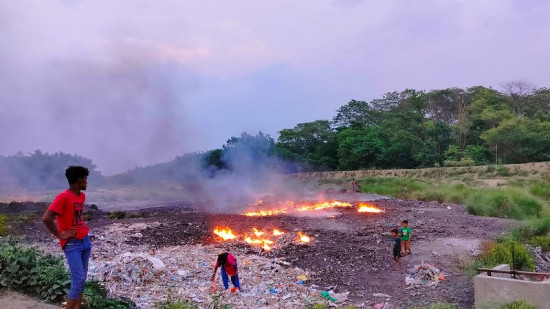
499,290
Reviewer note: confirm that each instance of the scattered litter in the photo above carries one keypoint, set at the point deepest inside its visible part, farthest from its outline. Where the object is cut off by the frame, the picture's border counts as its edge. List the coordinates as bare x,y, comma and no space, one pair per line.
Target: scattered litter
132,271
326,295
381,295
424,275
449,207
339,297
385,305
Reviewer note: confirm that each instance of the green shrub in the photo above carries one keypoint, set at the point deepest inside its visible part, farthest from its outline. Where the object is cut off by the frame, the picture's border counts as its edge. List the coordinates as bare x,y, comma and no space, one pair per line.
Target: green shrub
139,215
24,270
117,214
53,279
450,163
540,190
4,227
518,305
95,297
509,252
541,241
490,169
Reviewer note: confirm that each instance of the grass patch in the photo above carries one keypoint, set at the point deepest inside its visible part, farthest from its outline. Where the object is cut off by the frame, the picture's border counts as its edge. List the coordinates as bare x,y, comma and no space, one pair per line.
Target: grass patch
95,297
541,241
4,227
531,228
139,215
509,252
510,203
541,190
518,305
493,254
396,187
117,214
514,203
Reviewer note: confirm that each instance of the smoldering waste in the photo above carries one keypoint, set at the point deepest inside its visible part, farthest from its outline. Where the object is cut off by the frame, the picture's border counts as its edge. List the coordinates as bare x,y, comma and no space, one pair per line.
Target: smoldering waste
147,276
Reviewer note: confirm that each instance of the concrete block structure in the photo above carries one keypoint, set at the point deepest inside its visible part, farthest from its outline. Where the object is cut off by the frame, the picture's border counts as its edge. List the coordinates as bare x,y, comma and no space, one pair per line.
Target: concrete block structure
499,289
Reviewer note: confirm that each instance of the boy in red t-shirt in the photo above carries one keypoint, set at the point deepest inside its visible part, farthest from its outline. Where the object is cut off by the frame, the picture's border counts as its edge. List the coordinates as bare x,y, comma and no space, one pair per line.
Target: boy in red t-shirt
228,264
72,232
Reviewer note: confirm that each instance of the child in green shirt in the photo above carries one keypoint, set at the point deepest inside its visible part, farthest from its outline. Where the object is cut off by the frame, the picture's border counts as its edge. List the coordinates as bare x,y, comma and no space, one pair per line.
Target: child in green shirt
405,238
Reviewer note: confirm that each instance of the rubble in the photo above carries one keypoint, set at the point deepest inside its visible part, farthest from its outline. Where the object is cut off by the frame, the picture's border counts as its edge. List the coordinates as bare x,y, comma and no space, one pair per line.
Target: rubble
542,261
424,275
146,276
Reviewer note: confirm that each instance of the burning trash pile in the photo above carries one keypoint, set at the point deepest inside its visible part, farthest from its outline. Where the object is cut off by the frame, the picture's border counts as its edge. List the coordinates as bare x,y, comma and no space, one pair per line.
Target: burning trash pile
184,272
266,240
290,207
424,275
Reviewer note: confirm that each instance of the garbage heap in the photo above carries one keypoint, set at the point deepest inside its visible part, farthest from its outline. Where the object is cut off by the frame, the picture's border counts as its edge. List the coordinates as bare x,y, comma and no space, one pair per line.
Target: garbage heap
424,275
184,272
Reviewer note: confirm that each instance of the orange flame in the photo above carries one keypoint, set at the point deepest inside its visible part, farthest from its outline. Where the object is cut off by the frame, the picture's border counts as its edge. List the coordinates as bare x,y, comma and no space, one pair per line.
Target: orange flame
304,238
323,205
263,213
265,243
276,232
225,234
364,207
258,233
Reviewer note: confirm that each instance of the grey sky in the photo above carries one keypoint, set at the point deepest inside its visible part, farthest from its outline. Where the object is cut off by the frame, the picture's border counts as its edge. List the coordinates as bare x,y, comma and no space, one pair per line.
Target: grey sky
129,83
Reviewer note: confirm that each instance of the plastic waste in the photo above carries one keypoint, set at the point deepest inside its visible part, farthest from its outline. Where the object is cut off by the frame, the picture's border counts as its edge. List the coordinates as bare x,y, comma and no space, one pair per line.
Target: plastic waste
326,295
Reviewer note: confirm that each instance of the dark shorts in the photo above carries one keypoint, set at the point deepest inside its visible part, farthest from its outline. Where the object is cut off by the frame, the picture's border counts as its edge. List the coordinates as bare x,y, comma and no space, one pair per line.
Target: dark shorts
396,253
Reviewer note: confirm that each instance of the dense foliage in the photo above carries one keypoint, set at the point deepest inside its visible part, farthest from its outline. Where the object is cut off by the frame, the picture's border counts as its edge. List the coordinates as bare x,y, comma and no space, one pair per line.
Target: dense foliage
410,129
24,270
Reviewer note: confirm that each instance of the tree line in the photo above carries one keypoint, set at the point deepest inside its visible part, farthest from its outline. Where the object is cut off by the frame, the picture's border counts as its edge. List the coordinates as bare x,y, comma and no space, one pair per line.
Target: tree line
412,129
38,170
406,129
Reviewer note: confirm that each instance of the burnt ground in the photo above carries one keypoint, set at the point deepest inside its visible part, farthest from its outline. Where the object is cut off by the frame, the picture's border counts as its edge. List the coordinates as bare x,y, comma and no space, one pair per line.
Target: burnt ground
350,252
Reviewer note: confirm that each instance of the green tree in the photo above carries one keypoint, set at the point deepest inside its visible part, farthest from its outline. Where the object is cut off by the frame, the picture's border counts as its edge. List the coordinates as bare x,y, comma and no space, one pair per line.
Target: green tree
360,148
314,143
520,140
353,112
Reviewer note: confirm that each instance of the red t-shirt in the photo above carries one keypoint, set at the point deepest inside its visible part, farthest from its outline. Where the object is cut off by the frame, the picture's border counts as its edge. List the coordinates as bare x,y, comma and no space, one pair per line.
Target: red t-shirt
69,208
230,265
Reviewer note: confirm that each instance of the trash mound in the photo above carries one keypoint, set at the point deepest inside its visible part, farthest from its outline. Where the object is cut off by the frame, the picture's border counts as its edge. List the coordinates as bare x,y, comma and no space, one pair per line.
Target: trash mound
148,276
424,275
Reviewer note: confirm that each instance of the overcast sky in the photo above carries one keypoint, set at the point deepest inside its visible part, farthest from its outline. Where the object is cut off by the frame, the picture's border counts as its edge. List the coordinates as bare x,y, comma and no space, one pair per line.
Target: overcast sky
130,83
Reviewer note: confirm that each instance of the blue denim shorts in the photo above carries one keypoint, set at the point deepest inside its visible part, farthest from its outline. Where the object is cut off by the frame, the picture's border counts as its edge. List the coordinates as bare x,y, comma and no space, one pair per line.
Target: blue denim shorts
78,252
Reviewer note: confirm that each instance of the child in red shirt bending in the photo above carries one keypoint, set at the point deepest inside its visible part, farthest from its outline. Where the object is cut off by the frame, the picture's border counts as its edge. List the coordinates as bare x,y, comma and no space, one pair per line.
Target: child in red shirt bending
228,265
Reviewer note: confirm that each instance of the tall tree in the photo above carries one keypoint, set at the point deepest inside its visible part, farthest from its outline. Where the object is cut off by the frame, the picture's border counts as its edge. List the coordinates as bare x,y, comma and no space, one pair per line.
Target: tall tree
312,142
353,112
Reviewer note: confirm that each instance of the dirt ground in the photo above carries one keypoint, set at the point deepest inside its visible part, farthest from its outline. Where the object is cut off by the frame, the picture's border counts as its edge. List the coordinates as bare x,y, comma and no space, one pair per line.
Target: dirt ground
13,300
350,251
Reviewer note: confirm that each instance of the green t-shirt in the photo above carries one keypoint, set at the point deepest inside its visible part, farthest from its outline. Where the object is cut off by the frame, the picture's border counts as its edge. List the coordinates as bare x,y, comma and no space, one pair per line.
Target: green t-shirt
406,231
